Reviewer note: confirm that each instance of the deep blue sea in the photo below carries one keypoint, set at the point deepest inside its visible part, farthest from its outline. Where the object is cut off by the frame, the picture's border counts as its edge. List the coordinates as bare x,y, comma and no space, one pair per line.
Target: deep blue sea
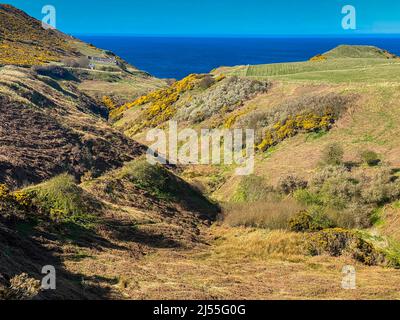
166,57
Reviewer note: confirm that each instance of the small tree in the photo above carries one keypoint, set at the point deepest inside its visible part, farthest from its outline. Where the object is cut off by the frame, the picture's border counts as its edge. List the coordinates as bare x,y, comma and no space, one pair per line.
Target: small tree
333,154
370,158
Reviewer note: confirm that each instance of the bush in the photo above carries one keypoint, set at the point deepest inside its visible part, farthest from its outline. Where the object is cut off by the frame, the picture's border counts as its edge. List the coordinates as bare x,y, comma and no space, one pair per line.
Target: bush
306,197
381,188
310,113
290,183
350,199
336,242
370,158
15,204
226,96
309,221
252,188
354,216
333,154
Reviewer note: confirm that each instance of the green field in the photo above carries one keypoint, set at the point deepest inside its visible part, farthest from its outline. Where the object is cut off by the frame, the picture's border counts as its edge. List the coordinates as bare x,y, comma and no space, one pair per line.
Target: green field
343,64
336,70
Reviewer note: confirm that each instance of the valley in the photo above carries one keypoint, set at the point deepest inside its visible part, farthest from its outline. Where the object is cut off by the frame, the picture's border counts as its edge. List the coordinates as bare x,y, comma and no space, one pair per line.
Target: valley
77,192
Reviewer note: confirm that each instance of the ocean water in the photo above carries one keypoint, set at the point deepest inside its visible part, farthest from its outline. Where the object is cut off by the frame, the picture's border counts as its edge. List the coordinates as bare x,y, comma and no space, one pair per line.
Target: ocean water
167,57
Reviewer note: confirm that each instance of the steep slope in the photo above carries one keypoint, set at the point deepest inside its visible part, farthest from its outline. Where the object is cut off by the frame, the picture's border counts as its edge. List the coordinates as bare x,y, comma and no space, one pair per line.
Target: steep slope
118,219
24,42
49,127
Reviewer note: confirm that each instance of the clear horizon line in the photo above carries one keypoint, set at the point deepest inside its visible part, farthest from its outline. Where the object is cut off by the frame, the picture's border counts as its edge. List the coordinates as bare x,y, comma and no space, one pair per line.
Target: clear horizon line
283,36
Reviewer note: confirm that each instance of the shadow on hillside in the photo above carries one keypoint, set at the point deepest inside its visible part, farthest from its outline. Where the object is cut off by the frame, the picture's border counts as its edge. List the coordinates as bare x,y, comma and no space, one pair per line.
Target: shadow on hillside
127,232
27,252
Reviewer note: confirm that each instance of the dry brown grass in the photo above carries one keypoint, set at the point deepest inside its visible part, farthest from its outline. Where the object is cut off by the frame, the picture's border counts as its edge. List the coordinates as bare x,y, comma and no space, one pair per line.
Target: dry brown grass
262,214
238,263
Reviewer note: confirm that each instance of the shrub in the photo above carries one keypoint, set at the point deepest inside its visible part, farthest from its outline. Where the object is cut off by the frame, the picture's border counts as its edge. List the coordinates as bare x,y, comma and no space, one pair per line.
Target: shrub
336,242
330,241
226,96
262,214
333,154
292,125
304,114
338,191
381,188
350,199
354,216
108,103
16,204
318,58
160,103
290,183
307,197
252,188
370,158
325,174
309,221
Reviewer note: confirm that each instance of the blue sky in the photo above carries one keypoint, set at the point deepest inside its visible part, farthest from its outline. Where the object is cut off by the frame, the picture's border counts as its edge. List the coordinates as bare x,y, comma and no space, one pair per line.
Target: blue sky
217,17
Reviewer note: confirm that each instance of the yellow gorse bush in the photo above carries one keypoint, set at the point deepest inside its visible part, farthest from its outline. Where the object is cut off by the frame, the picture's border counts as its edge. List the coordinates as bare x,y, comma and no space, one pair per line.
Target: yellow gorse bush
161,102
18,198
108,102
294,124
318,58
24,42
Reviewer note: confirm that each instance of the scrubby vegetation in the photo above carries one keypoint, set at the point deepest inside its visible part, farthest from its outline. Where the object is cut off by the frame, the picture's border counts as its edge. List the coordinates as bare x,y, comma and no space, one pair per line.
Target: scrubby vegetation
159,104
318,58
337,242
307,114
224,97
370,158
330,206
333,154
273,214
154,179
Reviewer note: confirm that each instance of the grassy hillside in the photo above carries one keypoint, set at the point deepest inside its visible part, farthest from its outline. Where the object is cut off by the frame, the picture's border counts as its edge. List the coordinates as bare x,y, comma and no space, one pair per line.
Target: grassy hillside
364,52
343,64
50,127
25,43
